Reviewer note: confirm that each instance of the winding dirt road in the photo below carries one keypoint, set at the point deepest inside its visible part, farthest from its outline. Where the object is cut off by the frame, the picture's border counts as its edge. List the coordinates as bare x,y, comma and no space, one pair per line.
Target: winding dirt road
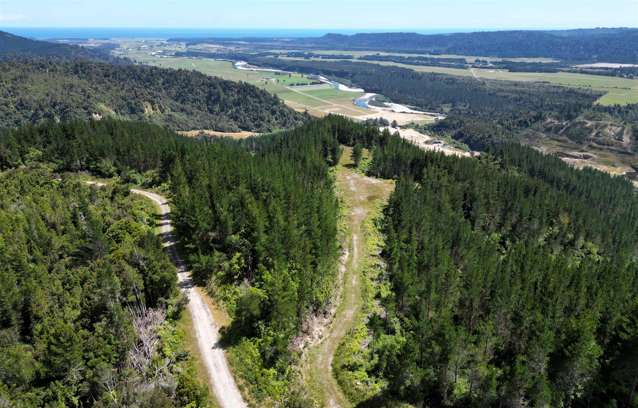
206,330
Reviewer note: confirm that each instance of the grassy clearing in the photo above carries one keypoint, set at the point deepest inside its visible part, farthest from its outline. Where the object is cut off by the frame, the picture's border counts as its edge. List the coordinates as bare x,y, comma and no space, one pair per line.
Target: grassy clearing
328,100
619,97
362,198
292,79
351,360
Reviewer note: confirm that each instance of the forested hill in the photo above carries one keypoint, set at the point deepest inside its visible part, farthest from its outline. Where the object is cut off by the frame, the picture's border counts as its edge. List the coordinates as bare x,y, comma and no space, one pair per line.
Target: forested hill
582,45
42,89
510,280
259,227
607,45
12,46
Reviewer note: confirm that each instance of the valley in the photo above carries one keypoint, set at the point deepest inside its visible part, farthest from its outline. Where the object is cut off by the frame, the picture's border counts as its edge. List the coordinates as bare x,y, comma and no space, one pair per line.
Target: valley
622,91
322,99
298,91
372,220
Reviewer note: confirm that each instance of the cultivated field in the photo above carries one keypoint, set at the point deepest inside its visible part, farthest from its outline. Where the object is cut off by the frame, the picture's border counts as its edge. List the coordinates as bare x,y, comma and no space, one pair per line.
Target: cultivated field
617,90
226,70
296,90
325,99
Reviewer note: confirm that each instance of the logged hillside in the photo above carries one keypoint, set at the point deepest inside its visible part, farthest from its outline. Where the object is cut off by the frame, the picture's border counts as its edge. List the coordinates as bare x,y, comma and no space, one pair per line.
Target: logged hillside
38,90
13,46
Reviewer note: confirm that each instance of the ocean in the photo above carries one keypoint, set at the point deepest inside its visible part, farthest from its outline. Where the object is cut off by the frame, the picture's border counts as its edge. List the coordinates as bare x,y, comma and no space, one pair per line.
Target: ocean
44,33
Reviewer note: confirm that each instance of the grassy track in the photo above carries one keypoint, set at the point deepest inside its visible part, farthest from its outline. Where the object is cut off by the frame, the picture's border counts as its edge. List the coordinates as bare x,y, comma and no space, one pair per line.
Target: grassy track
361,196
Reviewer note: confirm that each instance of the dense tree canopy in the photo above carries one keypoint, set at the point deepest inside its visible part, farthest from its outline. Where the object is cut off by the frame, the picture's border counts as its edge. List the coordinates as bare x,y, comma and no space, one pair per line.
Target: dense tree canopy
39,90
257,219
584,45
511,279
514,281
80,272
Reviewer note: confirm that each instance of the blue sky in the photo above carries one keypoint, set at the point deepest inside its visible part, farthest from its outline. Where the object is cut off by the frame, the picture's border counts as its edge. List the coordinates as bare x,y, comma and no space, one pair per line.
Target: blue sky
342,14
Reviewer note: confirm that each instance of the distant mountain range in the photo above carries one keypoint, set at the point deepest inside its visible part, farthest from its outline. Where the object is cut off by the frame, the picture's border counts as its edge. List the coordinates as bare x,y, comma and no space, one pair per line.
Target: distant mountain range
618,45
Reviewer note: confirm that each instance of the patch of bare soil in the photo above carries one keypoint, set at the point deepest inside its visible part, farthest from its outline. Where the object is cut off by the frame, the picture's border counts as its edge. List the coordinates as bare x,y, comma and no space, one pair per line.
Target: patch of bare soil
400,117
575,155
214,133
427,142
315,326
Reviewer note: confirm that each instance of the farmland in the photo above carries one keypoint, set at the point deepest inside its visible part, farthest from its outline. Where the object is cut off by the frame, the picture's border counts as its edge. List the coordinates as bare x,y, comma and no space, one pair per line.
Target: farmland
468,58
225,69
618,90
298,91
323,98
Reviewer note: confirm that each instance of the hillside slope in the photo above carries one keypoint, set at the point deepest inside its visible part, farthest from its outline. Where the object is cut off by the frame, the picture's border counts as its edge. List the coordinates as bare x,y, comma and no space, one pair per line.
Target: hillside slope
38,90
12,46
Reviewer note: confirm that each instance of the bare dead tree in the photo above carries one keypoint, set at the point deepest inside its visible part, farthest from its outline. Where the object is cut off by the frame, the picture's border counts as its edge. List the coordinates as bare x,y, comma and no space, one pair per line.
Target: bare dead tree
146,323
